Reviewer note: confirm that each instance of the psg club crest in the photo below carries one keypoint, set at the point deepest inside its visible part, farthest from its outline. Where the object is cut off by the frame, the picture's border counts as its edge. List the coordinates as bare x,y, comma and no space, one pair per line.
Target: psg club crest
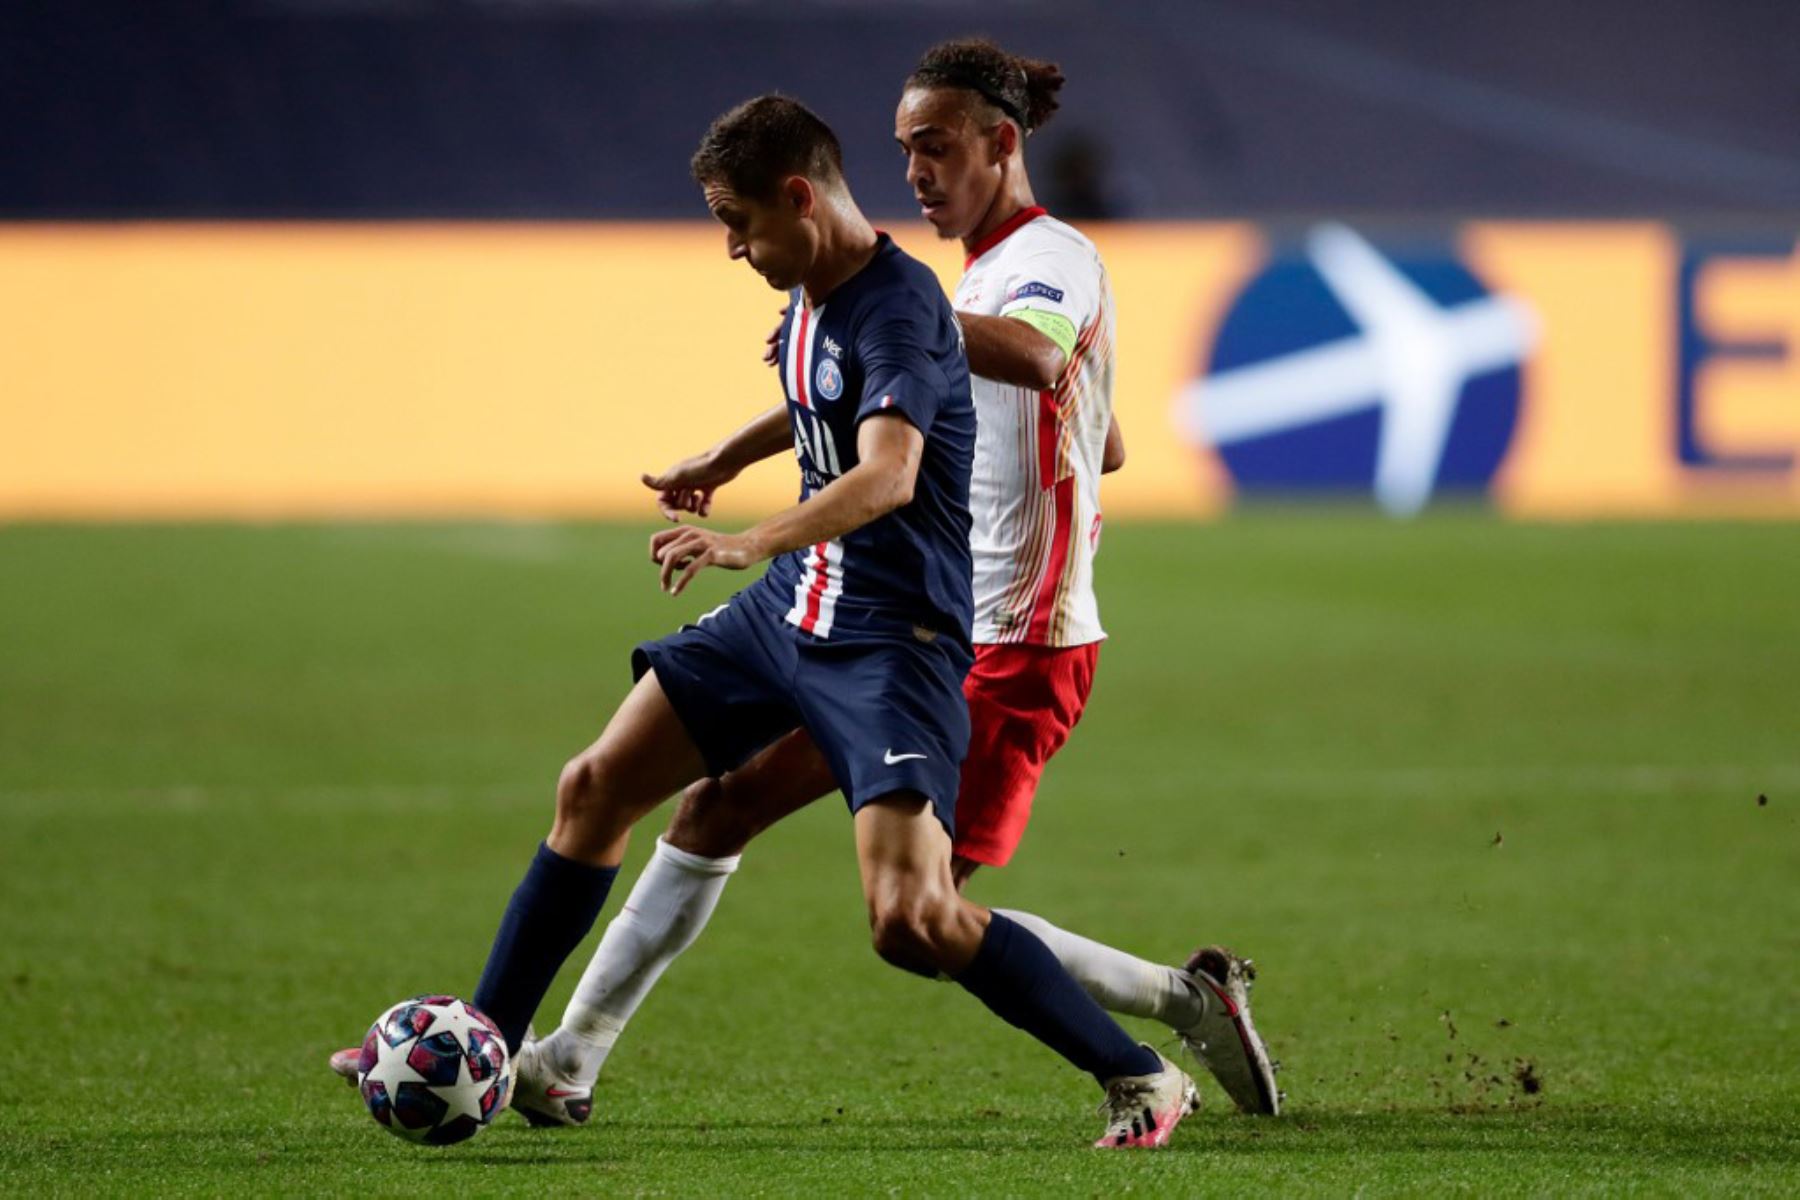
828,380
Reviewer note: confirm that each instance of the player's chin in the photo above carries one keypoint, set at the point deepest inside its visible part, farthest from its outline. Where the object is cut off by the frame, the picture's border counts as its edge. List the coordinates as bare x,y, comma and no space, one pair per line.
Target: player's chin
942,220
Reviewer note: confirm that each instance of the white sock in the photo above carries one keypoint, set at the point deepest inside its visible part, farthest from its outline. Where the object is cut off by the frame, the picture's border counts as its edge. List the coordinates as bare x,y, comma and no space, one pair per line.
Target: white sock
668,907
1119,982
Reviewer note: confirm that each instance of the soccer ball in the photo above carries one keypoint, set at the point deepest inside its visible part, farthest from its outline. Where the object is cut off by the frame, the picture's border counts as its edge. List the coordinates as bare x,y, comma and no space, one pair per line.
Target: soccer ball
434,1069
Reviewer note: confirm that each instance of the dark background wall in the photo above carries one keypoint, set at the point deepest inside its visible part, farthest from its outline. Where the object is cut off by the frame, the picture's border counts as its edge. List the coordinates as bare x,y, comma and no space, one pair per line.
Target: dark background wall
588,108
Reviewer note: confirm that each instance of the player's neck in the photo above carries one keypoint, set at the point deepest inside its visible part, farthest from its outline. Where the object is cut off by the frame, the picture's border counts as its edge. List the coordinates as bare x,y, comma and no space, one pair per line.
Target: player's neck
846,244
1013,198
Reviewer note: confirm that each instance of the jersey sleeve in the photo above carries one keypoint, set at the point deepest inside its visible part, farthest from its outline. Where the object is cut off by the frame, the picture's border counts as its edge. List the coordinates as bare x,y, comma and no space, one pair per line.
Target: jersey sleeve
899,373
1055,289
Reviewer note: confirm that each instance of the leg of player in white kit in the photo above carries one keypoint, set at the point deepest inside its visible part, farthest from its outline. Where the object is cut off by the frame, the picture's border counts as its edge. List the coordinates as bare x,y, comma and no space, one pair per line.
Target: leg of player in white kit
1120,982
668,907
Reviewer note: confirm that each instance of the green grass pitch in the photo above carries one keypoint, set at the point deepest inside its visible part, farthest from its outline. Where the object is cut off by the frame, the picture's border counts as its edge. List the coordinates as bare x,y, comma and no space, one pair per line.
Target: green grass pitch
1485,802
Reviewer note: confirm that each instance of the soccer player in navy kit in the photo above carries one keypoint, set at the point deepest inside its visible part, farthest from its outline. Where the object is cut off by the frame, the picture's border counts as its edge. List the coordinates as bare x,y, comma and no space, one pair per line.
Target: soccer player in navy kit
859,631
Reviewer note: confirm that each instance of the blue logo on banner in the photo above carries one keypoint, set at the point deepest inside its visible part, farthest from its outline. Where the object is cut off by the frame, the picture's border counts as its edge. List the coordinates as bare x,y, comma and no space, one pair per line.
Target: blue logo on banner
828,380
1027,290
1344,370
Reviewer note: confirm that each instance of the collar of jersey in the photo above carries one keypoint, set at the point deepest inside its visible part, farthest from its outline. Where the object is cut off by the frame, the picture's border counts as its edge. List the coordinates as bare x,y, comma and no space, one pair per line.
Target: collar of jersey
1007,229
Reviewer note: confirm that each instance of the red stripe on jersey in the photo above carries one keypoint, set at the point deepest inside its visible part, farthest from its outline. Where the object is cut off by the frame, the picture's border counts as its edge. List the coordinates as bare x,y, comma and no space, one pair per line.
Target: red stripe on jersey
1044,607
821,579
1005,230
800,363
1050,407
822,572
1049,430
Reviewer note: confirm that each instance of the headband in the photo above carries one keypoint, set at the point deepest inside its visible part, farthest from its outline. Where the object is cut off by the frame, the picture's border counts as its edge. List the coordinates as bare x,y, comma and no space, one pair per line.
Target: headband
960,77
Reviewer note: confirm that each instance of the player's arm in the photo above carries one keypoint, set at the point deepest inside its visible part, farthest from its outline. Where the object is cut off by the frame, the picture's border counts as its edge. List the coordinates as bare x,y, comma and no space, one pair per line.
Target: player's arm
1016,348
888,448
1029,348
1113,456
688,486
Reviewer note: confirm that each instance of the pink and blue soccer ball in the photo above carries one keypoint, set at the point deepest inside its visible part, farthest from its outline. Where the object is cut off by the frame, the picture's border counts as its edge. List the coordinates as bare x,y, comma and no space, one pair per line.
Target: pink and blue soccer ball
435,1070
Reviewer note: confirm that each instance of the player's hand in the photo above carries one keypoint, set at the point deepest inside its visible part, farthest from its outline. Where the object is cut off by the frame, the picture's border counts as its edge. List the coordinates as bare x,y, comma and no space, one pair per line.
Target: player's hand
688,486
772,350
680,554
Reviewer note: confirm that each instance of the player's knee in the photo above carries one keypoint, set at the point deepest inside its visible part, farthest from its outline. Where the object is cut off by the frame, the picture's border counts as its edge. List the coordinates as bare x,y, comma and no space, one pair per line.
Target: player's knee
918,934
706,824
903,939
581,789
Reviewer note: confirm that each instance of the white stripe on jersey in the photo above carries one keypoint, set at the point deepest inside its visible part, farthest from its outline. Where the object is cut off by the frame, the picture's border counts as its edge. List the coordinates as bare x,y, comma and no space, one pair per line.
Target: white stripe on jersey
821,583
795,351
808,567
822,570
798,353
834,587
826,445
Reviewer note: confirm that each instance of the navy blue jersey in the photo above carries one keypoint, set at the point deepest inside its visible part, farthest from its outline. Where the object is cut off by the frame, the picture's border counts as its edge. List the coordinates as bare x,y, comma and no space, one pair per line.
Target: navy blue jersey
886,341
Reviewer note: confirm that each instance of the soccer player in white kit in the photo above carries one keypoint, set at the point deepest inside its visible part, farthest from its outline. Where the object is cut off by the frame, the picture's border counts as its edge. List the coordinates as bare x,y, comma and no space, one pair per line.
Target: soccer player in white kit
1038,319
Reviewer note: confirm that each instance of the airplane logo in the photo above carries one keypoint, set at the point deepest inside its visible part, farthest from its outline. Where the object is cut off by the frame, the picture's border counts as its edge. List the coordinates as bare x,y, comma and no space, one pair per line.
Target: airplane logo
1407,362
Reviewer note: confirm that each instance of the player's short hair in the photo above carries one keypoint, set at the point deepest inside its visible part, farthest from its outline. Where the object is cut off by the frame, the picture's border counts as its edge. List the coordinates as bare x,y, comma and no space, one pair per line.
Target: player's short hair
761,142
1021,88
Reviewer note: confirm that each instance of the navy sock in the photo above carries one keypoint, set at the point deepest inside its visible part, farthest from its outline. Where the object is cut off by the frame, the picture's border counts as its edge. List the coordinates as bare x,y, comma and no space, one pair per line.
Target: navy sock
551,911
1016,976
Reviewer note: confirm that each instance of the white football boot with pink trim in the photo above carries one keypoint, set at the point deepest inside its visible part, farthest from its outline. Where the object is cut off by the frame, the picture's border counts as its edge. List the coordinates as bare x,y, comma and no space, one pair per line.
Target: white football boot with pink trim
1224,1039
1143,1110
546,1097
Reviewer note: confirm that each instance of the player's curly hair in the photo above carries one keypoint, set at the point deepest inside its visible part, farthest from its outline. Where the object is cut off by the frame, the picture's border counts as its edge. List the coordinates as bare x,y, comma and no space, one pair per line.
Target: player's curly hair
756,145
1022,88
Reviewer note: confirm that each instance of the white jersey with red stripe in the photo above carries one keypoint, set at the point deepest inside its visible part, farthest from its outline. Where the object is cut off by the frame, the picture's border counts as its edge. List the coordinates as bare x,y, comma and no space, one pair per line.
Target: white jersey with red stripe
1035,492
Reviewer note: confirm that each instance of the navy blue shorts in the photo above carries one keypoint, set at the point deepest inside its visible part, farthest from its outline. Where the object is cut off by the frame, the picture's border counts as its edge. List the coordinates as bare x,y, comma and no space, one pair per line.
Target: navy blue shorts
888,714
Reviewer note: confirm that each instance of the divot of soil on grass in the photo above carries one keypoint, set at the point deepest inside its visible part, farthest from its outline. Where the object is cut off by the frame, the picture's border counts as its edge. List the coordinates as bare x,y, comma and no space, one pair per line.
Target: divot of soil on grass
1479,1086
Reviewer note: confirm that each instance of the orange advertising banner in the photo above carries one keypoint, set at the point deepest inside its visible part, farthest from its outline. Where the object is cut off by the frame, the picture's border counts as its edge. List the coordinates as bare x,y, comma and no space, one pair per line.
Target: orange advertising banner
1561,370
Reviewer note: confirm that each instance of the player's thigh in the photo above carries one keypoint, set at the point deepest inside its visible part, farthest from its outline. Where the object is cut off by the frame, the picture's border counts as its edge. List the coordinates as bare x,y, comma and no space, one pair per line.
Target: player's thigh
718,817
644,747
999,778
1024,701
1032,693
643,755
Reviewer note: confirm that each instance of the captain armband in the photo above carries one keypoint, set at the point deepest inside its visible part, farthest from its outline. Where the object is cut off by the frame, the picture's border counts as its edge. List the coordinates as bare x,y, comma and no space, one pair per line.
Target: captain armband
1054,326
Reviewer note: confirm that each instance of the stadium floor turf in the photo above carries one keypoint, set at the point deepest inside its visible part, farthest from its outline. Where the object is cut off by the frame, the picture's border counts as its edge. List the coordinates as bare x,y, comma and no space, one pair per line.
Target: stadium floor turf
1481,799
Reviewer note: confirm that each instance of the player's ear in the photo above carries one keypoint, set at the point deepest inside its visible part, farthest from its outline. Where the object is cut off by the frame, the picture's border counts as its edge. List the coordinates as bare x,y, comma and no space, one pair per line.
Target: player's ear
1006,141
797,191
